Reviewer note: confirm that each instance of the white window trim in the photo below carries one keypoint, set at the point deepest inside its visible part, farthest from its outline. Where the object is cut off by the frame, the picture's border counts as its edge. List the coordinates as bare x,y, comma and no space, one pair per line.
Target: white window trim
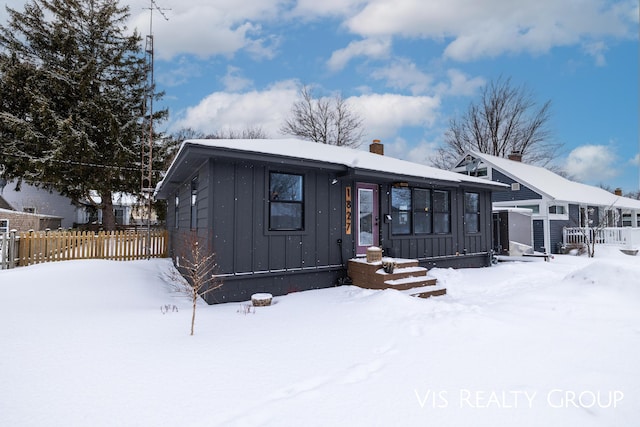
559,217
524,204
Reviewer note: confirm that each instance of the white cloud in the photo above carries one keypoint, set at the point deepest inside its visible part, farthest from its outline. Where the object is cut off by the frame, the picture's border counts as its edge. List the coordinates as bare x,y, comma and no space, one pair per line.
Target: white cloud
635,160
384,114
420,152
371,48
460,84
404,74
596,50
233,81
265,109
204,29
314,8
181,71
475,29
592,163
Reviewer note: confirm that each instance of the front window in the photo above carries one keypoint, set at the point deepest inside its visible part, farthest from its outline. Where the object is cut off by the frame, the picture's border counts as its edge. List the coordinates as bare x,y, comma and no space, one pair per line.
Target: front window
286,201
420,211
401,210
472,212
441,212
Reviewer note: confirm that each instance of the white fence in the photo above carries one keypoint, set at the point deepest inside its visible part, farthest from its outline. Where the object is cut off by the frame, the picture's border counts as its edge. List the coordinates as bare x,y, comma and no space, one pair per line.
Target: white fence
627,237
8,249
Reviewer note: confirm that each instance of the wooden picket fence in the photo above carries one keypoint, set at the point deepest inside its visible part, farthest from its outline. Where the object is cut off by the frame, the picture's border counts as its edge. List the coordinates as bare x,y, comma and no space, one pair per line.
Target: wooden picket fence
45,246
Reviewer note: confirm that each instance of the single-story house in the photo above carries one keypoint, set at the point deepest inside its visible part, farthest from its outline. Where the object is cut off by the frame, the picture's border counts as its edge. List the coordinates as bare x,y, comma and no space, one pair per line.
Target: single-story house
35,200
287,215
25,221
32,199
555,202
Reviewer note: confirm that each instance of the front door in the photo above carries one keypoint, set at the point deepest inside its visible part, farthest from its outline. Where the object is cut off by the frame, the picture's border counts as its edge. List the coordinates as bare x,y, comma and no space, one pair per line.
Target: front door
367,231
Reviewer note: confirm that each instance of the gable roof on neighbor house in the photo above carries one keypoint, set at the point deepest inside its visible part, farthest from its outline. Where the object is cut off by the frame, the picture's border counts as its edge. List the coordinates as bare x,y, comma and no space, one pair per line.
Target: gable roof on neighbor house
4,204
309,153
554,186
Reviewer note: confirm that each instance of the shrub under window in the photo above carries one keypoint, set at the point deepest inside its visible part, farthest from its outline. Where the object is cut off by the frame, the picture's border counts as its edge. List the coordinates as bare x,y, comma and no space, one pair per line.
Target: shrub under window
286,207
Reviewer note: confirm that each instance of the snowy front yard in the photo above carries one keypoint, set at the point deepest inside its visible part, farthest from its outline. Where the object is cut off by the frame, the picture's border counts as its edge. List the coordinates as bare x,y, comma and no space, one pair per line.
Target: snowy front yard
91,343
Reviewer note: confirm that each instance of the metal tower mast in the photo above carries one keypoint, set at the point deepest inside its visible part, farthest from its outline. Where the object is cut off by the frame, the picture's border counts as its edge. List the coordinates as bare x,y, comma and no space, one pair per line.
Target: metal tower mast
146,178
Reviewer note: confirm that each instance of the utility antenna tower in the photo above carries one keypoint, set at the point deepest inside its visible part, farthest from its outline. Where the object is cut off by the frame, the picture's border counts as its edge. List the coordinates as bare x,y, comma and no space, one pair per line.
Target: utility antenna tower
146,178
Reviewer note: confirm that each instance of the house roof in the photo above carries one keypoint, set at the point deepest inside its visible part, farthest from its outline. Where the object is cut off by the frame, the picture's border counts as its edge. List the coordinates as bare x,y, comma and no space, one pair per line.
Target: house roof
4,204
554,186
311,153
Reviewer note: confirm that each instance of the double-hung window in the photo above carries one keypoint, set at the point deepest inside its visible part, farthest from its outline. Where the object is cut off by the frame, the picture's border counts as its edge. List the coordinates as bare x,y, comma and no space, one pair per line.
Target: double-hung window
441,212
286,201
401,210
422,211
472,212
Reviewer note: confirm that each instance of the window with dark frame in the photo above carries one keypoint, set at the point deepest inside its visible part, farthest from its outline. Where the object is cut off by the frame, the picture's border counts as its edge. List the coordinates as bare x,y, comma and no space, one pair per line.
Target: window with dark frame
420,211
286,201
176,211
441,212
401,210
194,203
472,212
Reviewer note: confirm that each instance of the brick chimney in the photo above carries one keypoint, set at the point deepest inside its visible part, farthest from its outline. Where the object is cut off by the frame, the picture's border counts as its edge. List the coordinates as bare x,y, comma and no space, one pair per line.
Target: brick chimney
618,191
376,147
515,155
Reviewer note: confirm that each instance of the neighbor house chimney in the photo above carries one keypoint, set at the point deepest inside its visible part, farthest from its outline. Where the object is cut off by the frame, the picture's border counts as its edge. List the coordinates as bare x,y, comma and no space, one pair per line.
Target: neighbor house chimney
515,155
618,191
376,147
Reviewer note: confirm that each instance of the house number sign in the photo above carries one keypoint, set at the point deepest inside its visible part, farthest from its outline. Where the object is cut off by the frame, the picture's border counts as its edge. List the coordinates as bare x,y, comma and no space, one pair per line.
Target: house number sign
347,222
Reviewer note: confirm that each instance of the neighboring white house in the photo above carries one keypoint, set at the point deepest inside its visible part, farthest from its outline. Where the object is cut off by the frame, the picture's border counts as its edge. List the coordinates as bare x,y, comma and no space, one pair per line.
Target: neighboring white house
556,202
36,200
31,199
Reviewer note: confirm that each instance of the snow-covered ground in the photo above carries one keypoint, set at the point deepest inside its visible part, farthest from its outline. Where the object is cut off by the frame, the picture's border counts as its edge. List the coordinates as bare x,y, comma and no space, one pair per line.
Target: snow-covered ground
86,343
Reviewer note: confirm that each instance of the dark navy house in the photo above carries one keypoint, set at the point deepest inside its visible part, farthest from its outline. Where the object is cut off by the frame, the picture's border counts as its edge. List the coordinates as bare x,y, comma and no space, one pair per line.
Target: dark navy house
287,215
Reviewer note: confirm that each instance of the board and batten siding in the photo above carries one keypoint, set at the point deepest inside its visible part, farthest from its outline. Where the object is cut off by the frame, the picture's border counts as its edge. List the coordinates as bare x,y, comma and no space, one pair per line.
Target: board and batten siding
240,227
429,247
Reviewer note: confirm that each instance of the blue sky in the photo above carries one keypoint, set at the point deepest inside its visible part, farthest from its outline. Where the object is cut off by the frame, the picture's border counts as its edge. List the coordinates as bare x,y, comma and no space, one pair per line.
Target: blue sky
407,66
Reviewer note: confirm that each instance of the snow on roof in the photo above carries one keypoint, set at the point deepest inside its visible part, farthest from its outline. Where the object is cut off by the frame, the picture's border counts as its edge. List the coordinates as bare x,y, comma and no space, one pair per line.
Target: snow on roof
15,213
118,198
556,187
349,157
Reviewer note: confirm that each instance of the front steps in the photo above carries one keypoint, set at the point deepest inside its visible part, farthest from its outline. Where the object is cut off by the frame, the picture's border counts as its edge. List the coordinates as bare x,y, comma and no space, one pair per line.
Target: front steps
407,276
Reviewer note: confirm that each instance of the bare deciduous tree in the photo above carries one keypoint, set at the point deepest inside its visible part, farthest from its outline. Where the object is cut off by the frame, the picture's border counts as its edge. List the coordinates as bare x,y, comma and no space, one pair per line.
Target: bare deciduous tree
324,120
505,119
197,265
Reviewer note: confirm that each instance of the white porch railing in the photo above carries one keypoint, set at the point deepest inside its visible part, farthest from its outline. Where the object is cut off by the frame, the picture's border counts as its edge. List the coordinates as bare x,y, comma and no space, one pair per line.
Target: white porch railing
618,236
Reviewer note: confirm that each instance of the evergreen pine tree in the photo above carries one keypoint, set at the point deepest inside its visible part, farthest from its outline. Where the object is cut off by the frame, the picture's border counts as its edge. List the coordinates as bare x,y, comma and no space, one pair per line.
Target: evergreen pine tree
73,81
